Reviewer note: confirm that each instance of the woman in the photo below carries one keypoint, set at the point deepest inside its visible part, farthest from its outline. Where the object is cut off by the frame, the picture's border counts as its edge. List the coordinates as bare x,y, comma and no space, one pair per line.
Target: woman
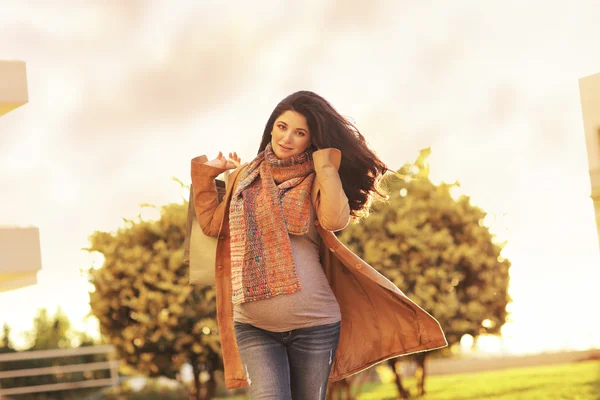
295,307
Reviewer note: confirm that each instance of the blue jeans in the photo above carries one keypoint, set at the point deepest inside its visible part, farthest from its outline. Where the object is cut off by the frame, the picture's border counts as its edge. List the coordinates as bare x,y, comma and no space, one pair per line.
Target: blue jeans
287,365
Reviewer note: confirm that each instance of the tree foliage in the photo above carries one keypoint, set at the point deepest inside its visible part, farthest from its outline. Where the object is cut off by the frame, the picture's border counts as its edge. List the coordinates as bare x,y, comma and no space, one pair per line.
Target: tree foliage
50,332
437,250
5,343
147,309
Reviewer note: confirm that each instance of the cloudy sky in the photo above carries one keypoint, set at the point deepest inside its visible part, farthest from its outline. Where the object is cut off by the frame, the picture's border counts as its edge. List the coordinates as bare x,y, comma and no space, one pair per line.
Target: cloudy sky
123,93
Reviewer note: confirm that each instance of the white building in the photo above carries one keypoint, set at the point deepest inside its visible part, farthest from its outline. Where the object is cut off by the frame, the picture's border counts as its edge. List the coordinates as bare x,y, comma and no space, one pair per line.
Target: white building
589,90
13,85
20,258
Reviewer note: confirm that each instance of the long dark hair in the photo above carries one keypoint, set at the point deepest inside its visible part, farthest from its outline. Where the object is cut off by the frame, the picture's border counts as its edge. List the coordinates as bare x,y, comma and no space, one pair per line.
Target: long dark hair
360,171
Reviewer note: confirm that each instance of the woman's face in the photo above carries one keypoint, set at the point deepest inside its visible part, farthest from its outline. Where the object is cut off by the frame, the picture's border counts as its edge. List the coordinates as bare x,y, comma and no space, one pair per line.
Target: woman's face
290,135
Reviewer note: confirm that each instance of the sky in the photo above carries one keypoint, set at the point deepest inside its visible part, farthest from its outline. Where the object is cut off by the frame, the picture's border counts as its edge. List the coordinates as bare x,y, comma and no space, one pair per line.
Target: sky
122,94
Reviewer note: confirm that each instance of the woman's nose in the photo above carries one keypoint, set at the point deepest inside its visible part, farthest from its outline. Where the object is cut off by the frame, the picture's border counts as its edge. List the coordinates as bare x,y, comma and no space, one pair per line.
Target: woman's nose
287,138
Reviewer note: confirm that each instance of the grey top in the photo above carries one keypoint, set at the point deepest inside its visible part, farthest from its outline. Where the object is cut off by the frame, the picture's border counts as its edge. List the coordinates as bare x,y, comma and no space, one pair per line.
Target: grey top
314,305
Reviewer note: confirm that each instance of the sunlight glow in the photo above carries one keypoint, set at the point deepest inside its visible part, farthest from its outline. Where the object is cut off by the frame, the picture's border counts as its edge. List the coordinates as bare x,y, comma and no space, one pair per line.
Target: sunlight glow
501,115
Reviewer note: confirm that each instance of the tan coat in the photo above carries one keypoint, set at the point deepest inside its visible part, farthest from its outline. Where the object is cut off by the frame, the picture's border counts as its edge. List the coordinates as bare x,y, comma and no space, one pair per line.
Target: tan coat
378,320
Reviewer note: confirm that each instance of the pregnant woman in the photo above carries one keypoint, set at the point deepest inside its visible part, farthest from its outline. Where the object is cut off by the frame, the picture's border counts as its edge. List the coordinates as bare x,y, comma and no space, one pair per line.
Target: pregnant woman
295,307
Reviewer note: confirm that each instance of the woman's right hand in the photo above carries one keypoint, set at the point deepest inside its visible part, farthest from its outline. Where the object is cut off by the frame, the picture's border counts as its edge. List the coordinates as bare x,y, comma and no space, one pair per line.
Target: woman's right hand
232,162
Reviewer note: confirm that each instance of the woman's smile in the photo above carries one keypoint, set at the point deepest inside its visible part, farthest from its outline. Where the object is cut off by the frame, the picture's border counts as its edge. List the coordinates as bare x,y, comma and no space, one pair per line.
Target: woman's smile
290,128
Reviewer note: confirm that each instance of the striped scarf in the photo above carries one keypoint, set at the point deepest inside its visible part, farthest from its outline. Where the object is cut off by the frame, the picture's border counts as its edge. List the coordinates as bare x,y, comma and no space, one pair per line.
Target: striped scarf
272,199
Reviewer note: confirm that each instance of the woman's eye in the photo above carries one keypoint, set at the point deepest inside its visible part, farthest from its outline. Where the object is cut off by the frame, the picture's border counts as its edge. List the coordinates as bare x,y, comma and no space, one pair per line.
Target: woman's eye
301,134
282,127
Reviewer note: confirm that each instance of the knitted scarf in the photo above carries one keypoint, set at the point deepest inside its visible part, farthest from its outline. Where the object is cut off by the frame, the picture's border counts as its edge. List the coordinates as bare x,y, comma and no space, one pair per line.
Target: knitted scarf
272,199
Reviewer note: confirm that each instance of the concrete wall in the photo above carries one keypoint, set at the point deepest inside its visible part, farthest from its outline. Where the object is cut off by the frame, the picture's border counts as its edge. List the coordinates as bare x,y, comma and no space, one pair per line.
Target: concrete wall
13,85
20,257
589,90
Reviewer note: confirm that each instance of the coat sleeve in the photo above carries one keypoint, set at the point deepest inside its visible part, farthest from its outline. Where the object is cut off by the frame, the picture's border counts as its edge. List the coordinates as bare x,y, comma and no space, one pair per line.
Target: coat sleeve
332,208
209,211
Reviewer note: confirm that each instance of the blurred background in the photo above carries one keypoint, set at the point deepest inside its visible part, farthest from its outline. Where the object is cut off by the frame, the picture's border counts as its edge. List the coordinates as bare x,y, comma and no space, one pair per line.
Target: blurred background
122,94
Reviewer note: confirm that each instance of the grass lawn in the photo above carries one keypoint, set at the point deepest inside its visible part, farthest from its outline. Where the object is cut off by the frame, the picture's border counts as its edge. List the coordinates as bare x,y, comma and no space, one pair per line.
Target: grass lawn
576,381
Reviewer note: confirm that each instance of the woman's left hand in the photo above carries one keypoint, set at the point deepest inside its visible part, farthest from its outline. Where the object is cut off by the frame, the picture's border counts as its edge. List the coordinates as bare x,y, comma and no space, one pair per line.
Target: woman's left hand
235,159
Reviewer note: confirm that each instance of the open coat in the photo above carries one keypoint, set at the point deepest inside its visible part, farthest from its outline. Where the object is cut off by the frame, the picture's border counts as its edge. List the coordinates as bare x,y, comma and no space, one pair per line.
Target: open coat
378,320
